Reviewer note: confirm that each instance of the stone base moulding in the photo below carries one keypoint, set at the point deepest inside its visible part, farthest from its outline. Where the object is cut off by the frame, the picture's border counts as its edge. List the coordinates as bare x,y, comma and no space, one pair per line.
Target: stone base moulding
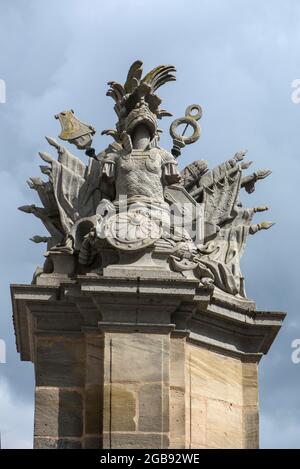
142,362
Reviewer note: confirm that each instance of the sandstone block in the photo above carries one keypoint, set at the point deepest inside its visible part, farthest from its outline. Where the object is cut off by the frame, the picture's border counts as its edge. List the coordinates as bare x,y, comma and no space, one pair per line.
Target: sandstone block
137,357
224,425
136,440
59,363
153,408
93,409
119,408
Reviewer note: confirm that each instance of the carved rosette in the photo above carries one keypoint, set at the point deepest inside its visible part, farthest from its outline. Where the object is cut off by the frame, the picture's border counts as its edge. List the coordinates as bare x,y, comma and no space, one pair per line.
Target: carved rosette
132,231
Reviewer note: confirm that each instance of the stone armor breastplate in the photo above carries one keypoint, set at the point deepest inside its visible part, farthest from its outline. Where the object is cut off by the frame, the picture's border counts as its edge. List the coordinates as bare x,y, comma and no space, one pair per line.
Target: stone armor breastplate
140,173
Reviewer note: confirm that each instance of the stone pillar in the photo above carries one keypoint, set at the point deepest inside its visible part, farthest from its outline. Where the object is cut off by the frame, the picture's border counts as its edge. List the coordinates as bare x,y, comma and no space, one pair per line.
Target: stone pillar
93,401
222,400
136,390
177,390
141,362
59,395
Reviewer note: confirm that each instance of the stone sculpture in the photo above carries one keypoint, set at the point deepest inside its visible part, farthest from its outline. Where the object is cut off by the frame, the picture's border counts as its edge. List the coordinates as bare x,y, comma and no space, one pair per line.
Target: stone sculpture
138,323
132,206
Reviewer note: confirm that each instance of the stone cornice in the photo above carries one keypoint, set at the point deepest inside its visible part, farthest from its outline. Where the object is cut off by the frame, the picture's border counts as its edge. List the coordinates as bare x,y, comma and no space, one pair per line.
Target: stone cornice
102,304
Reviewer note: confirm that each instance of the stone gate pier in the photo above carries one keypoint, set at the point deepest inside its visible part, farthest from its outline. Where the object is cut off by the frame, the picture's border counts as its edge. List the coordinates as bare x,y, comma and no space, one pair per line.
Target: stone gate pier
138,323
141,362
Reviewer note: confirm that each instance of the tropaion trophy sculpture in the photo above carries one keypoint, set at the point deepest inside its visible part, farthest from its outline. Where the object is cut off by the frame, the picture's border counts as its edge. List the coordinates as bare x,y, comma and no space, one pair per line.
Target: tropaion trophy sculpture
131,201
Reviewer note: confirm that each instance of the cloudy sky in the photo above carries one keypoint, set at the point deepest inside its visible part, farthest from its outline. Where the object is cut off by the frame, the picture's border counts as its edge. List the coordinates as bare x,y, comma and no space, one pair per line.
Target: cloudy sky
237,58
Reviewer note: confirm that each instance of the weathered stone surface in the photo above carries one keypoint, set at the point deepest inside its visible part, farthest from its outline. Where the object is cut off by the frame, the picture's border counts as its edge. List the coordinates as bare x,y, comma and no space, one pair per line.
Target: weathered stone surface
93,442
136,397
215,376
153,408
69,444
46,412
137,357
224,425
136,440
70,417
58,413
222,400
178,407
177,416
198,421
177,362
45,443
94,360
58,322
120,408
250,384
52,443
251,428
60,362
93,409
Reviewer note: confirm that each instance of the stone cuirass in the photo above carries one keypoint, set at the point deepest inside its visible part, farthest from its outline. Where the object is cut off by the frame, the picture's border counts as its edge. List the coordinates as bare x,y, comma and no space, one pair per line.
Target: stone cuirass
139,173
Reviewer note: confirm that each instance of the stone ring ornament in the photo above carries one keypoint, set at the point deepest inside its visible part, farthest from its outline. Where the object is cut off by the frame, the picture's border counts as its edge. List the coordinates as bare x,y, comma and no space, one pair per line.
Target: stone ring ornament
189,111
132,230
190,119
